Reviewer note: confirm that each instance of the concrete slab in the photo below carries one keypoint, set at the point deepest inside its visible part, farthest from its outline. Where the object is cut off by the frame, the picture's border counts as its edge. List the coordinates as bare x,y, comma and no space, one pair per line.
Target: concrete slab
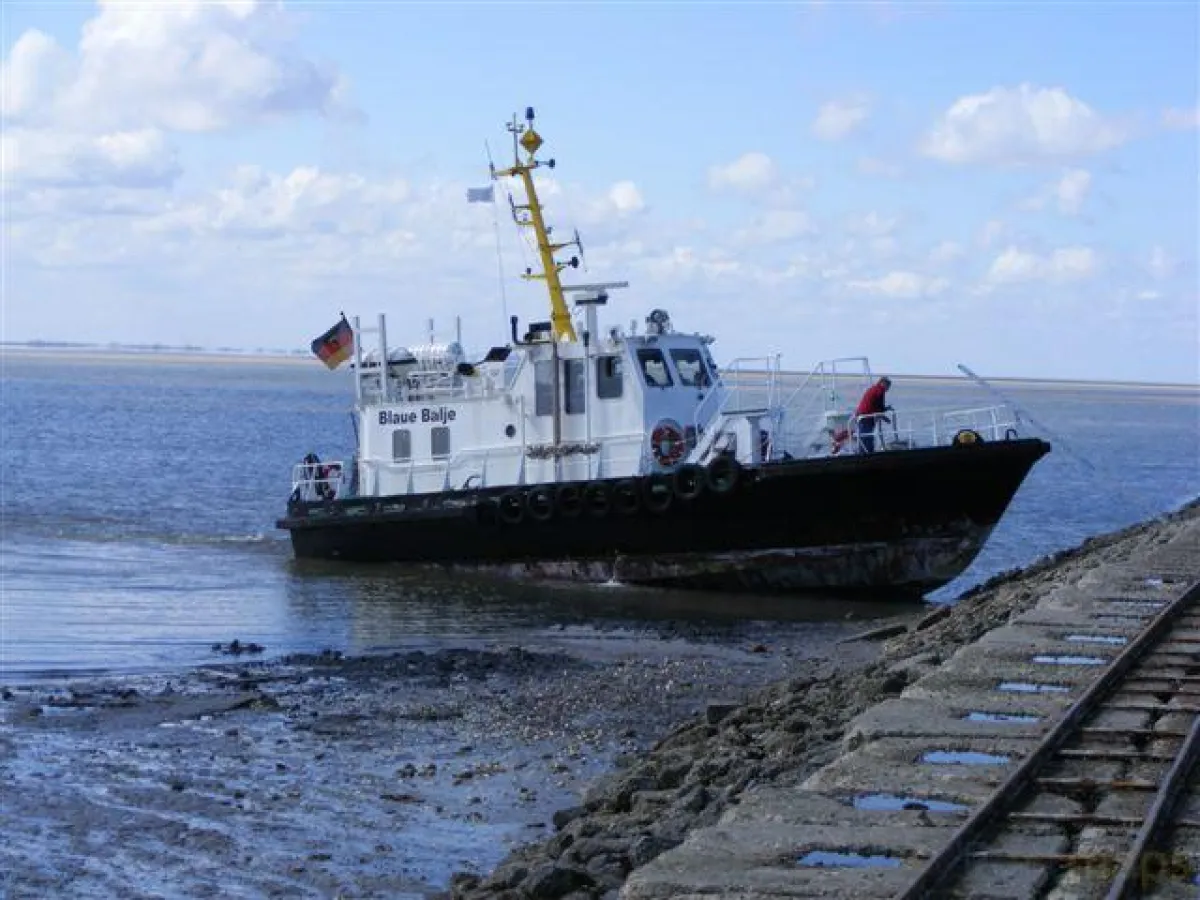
761,860
893,765
923,718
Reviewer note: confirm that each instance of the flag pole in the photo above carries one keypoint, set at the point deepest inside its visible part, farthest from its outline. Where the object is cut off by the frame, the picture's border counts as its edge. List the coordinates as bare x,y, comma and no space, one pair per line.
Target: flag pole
499,256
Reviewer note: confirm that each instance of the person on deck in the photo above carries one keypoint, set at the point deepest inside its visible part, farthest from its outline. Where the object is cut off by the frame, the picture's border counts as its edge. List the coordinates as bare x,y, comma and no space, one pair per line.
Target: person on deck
871,409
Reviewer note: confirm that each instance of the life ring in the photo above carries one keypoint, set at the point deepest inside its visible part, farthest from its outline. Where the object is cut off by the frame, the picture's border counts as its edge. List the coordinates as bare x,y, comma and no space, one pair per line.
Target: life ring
722,474
689,481
539,503
658,492
511,508
625,497
595,499
569,501
667,443
966,437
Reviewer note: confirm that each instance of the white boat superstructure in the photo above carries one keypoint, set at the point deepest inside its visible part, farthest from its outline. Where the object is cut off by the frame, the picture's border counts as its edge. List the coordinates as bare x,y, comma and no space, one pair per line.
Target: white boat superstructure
535,411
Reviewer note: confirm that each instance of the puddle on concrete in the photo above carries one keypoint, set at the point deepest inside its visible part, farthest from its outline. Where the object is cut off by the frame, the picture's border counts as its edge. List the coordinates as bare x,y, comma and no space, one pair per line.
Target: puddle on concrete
963,758
1032,687
843,860
1053,660
894,803
1114,639
1007,718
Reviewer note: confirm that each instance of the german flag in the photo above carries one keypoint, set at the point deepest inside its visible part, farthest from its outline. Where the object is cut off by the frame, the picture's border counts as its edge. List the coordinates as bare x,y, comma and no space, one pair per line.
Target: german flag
334,346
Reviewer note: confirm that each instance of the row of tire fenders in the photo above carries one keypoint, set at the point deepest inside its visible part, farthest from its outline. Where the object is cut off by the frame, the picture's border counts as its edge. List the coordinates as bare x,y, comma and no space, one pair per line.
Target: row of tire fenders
654,493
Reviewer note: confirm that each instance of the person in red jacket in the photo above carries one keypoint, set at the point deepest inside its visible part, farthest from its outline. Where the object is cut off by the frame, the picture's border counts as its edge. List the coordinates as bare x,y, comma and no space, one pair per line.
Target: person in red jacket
871,409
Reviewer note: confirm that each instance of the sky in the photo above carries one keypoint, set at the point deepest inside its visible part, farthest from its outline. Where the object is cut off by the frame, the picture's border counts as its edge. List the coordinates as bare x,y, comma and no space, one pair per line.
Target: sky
1011,186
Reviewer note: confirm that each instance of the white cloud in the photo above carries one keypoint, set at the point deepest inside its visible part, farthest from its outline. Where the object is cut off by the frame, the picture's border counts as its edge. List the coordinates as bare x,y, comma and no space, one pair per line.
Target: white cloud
190,65
1072,191
750,172
902,285
1181,119
140,158
992,231
1014,265
626,198
946,252
873,225
1025,124
1160,264
104,114
1068,194
839,118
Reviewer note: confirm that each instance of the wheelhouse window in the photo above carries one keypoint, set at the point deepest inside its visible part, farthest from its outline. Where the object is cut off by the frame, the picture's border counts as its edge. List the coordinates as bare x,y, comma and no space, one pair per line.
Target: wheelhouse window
573,376
610,377
690,366
654,368
543,388
439,442
401,445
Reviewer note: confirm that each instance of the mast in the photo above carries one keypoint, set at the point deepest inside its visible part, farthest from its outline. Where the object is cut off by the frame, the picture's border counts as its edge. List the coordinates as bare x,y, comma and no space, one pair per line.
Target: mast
524,137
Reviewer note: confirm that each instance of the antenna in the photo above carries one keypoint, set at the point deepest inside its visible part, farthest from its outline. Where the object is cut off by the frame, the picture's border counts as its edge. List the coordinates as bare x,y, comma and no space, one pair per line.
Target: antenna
579,246
526,139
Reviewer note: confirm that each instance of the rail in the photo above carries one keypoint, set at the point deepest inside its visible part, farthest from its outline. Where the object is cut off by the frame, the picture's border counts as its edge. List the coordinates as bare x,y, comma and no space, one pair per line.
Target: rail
1131,665
317,480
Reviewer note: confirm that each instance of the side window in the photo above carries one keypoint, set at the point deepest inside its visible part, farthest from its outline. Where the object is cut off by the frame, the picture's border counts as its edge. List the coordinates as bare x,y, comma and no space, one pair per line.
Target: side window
401,445
654,368
573,373
543,388
439,441
690,366
610,379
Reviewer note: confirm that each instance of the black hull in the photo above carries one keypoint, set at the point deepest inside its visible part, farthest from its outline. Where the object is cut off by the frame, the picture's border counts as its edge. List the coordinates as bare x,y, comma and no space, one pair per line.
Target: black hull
895,522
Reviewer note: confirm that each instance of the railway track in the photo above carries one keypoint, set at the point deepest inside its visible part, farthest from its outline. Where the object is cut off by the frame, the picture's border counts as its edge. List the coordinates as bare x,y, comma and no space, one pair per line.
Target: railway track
1107,802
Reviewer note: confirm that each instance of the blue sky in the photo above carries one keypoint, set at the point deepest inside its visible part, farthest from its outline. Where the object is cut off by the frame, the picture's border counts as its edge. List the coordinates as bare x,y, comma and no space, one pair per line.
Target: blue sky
1010,185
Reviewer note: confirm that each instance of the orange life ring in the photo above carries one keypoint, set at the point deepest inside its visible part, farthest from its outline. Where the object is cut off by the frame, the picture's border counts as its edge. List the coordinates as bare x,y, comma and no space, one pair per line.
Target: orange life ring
667,442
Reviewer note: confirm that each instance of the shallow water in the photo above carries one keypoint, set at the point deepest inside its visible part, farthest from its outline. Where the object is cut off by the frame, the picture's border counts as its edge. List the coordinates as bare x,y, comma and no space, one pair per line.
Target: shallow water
139,498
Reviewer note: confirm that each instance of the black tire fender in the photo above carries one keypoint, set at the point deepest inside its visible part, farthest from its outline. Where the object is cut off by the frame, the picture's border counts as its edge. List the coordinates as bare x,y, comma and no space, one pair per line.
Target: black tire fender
722,474
626,497
568,501
658,492
539,503
511,508
689,481
596,500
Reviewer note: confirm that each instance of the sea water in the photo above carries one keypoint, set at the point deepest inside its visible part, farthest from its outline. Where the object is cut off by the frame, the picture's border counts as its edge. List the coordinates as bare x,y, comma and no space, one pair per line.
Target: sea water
139,496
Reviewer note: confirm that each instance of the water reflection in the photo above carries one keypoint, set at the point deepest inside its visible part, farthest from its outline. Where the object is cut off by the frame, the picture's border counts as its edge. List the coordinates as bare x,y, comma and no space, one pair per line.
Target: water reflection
383,607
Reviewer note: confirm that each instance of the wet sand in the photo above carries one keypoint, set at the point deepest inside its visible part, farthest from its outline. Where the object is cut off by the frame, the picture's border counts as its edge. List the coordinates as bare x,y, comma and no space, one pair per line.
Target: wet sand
381,776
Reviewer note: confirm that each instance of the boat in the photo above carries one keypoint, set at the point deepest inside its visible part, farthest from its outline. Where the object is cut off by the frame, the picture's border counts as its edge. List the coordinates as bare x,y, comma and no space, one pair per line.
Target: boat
589,452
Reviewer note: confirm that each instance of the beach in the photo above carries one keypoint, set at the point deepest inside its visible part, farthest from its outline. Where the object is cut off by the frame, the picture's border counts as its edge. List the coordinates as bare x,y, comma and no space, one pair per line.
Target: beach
324,775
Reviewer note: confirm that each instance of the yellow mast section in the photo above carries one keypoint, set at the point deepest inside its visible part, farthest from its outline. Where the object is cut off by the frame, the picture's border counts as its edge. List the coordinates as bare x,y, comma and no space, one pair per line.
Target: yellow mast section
531,141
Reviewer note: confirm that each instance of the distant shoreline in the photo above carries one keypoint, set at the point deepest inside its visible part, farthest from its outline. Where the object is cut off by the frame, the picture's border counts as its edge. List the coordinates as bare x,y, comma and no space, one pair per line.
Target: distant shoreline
168,355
